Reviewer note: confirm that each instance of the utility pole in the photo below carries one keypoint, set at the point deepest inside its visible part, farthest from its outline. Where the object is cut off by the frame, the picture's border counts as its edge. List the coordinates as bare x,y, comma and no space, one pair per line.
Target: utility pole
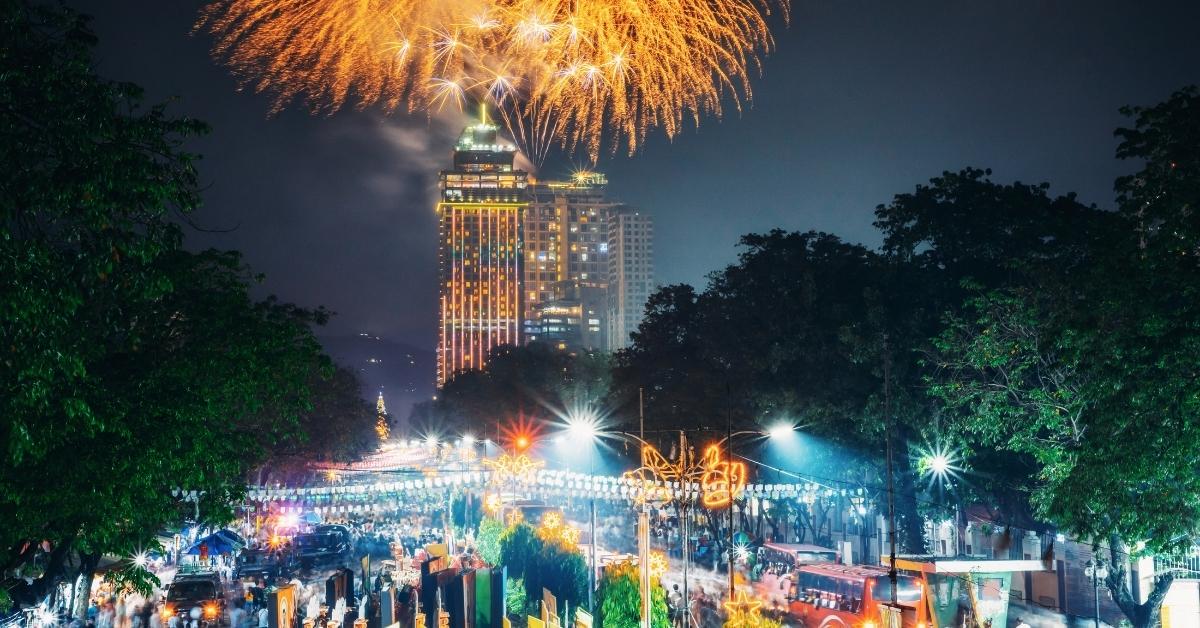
644,522
684,515
891,487
592,571
729,470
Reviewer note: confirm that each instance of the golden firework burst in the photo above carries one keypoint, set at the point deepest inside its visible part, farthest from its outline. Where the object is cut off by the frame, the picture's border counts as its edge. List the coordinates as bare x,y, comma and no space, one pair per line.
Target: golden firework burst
575,71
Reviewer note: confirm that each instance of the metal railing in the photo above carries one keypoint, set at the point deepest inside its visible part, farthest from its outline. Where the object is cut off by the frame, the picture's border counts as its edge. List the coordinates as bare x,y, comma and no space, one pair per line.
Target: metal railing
1185,564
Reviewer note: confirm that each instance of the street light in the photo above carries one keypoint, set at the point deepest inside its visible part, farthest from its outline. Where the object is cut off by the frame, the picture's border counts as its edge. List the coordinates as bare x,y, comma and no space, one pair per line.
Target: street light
1097,571
584,428
780,430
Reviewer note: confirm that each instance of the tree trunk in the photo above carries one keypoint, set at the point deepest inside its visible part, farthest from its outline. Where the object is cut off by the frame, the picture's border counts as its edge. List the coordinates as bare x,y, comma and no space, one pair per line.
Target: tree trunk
910,527
87,570
1146,614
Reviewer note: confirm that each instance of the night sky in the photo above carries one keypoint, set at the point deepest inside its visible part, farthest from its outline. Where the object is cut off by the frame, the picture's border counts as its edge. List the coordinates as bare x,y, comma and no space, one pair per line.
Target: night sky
861,100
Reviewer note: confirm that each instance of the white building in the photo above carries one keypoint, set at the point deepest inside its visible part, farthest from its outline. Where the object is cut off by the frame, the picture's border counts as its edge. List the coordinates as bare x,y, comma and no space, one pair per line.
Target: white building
630,272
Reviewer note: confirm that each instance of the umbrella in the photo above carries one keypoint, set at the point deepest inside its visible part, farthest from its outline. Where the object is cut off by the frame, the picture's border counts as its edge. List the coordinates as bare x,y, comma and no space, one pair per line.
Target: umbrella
216,545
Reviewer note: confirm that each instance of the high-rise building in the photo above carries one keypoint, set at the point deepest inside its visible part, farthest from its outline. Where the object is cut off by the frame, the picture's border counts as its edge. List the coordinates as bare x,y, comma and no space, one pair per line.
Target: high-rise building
566,251
479,251
630,272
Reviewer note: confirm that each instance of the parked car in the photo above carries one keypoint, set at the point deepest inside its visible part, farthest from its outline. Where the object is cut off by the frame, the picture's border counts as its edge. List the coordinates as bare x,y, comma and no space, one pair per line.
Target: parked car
199,594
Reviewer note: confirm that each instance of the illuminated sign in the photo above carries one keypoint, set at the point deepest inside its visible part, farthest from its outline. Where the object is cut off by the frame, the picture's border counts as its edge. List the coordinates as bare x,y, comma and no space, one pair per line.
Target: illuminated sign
723,481
520,468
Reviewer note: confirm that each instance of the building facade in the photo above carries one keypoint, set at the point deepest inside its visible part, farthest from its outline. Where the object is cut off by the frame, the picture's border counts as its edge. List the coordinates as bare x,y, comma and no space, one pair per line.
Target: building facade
630,272
480,265
566,255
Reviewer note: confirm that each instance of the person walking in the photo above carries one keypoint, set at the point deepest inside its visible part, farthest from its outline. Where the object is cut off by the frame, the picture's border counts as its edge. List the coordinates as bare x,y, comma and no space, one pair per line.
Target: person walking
237,615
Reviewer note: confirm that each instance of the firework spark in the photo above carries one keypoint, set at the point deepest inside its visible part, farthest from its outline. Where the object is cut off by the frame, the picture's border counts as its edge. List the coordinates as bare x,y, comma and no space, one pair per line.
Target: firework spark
584,73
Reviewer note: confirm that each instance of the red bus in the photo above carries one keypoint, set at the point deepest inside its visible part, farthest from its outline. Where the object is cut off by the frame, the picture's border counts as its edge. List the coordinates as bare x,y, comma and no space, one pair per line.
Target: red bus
851,596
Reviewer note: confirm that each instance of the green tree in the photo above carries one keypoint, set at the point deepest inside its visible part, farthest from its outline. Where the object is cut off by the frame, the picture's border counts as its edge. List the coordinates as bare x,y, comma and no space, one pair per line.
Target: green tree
1091,371
619,599
519,547
338,427
532,383
488,540
560,570
130,367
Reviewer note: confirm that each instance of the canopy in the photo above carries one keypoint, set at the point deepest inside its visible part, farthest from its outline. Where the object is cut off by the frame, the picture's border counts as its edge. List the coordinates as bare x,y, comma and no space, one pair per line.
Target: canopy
232,537
216,545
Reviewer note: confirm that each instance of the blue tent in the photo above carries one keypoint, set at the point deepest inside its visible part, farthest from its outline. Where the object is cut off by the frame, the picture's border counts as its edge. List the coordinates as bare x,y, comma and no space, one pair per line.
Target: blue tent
216,545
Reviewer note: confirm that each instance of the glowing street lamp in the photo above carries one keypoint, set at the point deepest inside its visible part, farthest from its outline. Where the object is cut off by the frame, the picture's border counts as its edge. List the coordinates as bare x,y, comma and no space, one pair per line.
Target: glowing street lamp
780,430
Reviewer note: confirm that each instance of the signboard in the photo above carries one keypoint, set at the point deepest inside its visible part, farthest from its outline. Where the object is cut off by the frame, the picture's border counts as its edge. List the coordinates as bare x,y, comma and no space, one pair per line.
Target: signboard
483,598
282,606
339,586
387,606
443,619
534,622
549,608
419,620
583,619
499,594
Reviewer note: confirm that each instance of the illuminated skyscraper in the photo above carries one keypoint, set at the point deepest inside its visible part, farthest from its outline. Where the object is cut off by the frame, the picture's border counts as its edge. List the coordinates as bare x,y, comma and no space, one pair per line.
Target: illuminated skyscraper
566,252
479,251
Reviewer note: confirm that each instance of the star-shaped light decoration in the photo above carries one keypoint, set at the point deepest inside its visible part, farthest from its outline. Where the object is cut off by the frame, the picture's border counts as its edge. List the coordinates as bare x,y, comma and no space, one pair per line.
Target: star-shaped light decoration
743,611
658,564
492,503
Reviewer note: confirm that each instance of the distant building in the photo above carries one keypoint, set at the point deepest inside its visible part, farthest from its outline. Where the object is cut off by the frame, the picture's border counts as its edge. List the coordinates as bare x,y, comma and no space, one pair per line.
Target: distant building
630,272
479,251
566,248
572,320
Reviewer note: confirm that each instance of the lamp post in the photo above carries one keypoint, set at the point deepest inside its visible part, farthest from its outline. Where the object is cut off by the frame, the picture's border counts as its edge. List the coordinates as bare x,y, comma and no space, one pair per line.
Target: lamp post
584,429
1097,571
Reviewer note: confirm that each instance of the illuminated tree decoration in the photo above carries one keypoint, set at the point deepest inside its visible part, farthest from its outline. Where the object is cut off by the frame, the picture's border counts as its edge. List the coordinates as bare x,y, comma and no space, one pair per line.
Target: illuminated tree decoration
743,612
520,468
514,517
723,481
658,564
492,503
381,424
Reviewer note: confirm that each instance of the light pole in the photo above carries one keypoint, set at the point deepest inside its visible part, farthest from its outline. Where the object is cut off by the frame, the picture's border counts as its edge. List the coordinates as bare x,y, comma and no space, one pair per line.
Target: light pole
1097,571
584,429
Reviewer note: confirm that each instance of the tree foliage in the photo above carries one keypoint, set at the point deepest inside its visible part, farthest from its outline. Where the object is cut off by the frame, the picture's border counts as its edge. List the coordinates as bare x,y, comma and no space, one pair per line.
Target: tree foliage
488,540
542,563
530,383
131,367
619,599
338,426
